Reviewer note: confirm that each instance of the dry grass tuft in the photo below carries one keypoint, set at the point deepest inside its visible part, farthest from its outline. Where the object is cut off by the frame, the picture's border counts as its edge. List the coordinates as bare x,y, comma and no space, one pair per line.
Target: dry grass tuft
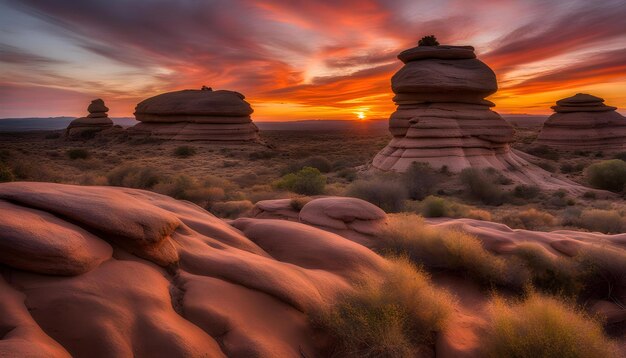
542,326
449,250
399,317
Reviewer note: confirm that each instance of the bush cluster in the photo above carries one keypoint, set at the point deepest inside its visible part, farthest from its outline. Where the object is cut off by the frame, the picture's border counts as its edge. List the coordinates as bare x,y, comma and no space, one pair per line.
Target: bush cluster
307,181
607,175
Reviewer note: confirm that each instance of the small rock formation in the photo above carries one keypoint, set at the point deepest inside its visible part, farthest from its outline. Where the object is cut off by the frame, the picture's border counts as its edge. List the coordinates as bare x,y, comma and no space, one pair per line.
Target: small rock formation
191,115
96,121
442,117
584,122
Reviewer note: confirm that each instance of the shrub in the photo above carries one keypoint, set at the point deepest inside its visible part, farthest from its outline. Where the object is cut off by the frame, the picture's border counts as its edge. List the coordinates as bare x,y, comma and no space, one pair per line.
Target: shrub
298,203
449,250
307,181
184,151
543,326
419,180
388,195
544,151
231,209
608,175
620,156
347,173
480,186
554,274
132,176
263,154
395,318
429,40
601,269
526,191
6,174
77,154
606,221
530,219
318,162
435,207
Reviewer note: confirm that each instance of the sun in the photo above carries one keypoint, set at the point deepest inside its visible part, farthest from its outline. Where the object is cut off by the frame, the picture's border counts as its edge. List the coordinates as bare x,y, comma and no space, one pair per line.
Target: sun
360,115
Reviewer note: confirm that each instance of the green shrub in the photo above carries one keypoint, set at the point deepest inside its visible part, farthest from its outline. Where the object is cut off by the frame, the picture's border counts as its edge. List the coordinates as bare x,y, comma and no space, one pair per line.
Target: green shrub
448,250
388,195
77,154
318,162
6,174
307,181
543,326
132,176
481,186
398,317
435,207
184,151
608,175
231,209
606,221
526,191
419,180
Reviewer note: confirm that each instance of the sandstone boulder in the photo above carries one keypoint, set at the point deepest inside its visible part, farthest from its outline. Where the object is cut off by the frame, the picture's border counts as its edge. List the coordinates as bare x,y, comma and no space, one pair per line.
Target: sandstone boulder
584,122
97,120
190,115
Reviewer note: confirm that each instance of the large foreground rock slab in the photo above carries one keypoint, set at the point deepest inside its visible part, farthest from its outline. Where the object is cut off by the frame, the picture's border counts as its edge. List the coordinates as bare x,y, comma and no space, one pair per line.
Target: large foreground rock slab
85,274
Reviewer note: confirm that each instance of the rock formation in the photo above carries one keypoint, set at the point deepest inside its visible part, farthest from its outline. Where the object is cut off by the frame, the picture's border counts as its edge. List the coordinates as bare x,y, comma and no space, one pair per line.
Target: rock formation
442,117
190,115
97,120
584,122
116,272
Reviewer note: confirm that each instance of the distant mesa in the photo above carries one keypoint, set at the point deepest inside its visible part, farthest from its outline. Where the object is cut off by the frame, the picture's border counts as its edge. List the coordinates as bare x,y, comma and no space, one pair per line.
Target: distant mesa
443,119
584,122
192,115
97,120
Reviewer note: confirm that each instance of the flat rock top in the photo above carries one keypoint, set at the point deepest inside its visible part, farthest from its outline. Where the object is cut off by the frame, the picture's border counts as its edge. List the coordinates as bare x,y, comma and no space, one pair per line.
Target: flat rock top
579,98
442,52
196,102
582,102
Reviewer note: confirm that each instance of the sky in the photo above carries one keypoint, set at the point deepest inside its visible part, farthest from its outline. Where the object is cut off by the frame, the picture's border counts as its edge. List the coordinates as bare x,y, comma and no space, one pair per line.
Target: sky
298,59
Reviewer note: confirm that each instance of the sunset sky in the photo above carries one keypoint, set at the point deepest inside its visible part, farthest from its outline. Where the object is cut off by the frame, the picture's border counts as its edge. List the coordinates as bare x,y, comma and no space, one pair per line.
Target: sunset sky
299,59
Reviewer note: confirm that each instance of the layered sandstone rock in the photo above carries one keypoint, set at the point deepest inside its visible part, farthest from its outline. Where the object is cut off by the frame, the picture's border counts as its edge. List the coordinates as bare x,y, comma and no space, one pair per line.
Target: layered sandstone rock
116,272
97,120
584,122
442,117
191,115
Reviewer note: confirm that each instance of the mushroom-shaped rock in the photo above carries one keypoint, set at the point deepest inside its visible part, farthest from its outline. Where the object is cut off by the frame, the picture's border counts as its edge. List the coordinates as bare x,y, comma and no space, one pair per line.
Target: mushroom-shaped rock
443,119
342,213
584,122
196,115
96,121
